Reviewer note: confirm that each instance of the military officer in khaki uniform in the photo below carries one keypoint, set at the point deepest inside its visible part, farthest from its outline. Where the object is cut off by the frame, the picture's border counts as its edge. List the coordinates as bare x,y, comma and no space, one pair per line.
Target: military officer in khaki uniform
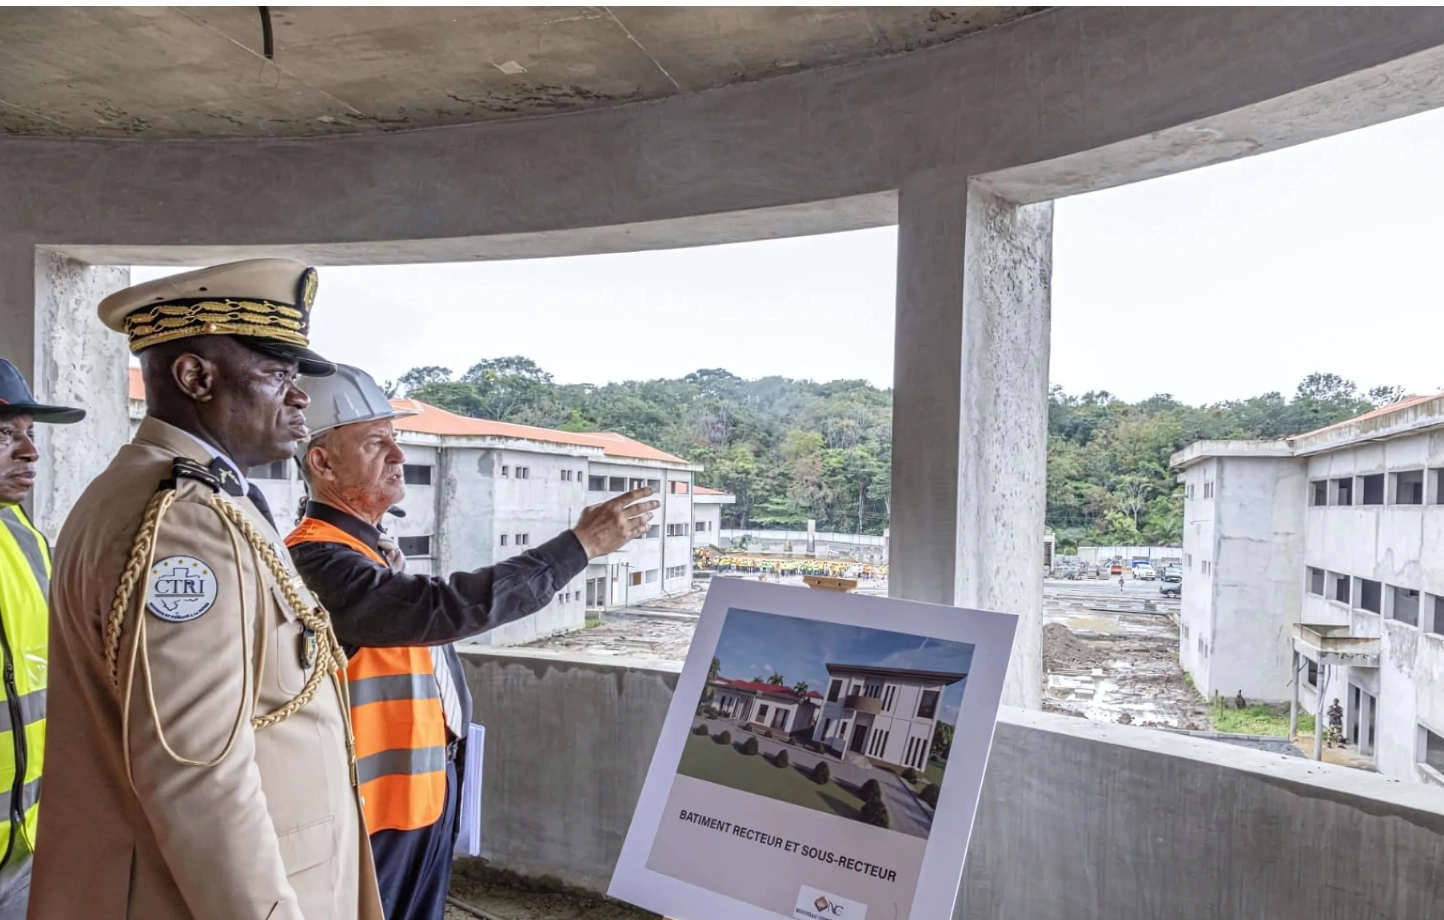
199,760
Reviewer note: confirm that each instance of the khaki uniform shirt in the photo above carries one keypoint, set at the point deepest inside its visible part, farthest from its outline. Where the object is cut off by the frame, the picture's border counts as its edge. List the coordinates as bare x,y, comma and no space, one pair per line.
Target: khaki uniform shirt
272,832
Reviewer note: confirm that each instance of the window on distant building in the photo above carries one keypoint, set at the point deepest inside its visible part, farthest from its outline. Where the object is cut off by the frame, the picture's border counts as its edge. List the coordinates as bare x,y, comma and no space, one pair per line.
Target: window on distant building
1313,672
634,484
1371,595
1432,752
1190,492
1372,489
414,547
679,486
1436,626
676,571
677,530
1409,487
566,475
503,539
779,718
1438,497
636,578
1343,491
654,531
655,485
1320,493
1208,490
505,472
762,712
523,539
416,474
833,690
276,470
1341,588
1404,605
579,476
523,472
596,483
650,576
1316,581
617,484
928,704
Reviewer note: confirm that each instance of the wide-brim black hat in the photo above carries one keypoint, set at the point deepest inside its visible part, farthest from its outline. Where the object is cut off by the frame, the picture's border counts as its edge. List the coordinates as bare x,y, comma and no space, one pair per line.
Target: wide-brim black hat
16,399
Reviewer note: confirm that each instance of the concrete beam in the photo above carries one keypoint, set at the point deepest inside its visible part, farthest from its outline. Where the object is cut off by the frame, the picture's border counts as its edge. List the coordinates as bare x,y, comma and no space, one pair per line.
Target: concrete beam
1039,91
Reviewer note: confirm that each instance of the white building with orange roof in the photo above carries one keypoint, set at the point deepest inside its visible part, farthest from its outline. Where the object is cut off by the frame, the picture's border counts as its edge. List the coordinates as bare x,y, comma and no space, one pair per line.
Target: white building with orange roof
479,491
707,515
1314,571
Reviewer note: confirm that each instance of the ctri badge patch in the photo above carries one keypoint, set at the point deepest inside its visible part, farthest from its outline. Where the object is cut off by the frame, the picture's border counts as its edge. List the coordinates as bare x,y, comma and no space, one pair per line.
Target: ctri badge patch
182,588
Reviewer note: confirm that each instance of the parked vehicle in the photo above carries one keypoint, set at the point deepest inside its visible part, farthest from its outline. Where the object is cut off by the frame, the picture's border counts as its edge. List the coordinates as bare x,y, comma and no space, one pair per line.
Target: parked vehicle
1174,573
1144,572
1115,569
1171,588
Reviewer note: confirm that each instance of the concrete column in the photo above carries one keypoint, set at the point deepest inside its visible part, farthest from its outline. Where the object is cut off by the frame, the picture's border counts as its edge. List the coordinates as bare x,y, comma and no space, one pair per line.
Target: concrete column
75,361
970,407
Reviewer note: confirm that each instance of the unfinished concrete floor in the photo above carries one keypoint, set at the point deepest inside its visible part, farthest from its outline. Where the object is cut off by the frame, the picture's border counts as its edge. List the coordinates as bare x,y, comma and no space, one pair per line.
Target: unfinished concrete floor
500,898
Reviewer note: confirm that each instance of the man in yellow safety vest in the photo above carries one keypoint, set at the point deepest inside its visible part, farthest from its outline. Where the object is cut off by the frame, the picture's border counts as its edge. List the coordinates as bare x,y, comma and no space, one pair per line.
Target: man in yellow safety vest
24,589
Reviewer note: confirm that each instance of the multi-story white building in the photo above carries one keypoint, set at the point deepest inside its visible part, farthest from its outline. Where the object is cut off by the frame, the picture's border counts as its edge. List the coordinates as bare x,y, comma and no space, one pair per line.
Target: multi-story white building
479,491
1324,553
707,515
883,714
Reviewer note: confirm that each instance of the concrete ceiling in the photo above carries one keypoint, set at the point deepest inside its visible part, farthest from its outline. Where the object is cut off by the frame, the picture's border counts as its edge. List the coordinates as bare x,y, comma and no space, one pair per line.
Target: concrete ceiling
157,72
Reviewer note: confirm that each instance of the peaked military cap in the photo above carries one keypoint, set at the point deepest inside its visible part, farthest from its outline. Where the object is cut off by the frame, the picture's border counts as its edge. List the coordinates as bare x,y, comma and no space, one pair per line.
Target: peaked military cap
264,303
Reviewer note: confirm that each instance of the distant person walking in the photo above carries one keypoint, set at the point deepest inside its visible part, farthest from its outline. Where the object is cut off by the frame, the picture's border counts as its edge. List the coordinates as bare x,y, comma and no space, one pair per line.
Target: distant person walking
1336,724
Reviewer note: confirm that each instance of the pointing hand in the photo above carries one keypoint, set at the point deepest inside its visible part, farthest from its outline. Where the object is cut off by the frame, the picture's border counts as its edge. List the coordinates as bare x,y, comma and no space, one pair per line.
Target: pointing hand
607,527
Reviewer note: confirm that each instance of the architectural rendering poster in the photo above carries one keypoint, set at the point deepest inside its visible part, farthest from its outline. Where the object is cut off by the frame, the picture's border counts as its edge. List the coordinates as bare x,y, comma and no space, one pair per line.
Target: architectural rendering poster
821,759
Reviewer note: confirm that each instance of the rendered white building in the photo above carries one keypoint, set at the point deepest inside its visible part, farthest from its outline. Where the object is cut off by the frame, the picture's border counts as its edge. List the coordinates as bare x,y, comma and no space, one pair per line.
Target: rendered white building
764,705
479,491
883,714
1328,546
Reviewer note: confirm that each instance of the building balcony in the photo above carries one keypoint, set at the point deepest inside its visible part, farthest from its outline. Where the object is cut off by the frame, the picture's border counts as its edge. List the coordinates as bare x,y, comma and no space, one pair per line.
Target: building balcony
1336,645
1203,818
870,705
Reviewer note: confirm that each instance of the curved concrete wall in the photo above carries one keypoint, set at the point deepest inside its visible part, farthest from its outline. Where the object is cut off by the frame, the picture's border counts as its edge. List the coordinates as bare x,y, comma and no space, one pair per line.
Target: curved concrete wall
1077,820
1052,86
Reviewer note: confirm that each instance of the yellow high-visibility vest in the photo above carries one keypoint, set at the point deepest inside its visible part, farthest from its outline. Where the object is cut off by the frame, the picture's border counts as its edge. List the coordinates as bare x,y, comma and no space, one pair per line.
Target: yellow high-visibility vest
24,662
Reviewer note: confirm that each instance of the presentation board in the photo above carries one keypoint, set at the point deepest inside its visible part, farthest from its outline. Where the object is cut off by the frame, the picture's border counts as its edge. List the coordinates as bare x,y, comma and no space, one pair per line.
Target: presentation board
821,759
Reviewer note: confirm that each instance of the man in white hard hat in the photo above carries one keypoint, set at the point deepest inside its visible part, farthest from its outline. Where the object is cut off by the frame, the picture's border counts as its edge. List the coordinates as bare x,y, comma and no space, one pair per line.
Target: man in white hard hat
410,707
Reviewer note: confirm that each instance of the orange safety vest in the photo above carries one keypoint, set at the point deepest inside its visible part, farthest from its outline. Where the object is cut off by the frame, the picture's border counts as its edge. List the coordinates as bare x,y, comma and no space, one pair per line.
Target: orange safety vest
396,718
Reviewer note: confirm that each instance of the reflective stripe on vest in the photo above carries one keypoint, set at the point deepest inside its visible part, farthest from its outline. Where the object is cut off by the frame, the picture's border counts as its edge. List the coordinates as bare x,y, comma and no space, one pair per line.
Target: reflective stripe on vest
395,716
24,613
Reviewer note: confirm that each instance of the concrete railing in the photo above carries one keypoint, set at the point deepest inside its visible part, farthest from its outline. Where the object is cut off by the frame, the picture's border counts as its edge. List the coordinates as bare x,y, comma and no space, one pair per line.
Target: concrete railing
1078,820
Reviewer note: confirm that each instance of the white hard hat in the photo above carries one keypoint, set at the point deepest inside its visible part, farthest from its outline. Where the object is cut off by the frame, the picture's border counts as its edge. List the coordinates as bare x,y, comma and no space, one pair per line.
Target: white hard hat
346,397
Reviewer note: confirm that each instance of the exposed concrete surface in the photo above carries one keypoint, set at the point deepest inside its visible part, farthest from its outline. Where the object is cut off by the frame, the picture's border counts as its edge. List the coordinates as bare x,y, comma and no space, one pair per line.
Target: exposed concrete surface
1050,86
1077,820
78,362
164,72
970,407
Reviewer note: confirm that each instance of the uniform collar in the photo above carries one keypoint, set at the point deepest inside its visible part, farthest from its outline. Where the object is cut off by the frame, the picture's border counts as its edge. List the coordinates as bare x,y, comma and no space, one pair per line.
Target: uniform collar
348,524
217,455
182,443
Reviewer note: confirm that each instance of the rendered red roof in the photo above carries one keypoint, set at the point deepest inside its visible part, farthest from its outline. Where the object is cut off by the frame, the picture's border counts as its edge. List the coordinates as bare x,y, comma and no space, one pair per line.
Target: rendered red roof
757,686
703,490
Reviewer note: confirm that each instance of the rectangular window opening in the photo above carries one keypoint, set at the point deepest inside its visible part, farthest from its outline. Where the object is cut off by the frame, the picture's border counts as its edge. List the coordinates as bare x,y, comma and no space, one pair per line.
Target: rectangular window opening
414,547
1408,487
650,576
416,474
1343,491
928,704
1371,595
617,484
1404,605
1372,489
1316,581
1342,585
1320,493
596,483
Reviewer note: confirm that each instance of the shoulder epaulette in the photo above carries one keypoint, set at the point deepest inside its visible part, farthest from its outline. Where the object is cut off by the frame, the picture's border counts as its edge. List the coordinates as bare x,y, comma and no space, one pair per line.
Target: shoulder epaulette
186,468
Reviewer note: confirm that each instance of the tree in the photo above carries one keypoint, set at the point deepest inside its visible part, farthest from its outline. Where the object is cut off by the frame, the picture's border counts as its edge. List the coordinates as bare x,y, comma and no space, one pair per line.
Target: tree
776,680
418,377
800,688
942,740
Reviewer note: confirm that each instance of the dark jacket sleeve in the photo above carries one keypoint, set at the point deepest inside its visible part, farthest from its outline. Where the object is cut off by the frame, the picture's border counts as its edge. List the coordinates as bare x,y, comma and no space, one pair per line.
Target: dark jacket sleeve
371,605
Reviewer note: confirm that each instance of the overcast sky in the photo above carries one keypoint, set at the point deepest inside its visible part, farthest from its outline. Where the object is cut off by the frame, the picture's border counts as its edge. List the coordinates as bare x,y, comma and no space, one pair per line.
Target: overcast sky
1215,284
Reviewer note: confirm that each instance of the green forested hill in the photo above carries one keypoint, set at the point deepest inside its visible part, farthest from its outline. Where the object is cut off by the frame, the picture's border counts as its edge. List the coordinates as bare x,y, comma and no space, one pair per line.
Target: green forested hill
791,450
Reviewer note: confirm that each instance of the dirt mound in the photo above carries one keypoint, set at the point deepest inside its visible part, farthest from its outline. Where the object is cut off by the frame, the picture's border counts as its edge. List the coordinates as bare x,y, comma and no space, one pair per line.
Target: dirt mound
1064,651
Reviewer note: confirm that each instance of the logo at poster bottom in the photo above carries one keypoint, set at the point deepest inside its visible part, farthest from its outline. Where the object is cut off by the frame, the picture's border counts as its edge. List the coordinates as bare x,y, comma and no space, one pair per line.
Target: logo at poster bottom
820,905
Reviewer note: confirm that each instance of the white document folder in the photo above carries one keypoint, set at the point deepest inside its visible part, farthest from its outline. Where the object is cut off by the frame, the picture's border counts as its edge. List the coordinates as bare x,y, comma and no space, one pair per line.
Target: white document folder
468,839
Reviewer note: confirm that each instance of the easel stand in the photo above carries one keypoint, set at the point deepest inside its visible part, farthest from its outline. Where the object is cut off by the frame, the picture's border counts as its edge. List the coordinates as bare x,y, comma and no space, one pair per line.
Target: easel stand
822,583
